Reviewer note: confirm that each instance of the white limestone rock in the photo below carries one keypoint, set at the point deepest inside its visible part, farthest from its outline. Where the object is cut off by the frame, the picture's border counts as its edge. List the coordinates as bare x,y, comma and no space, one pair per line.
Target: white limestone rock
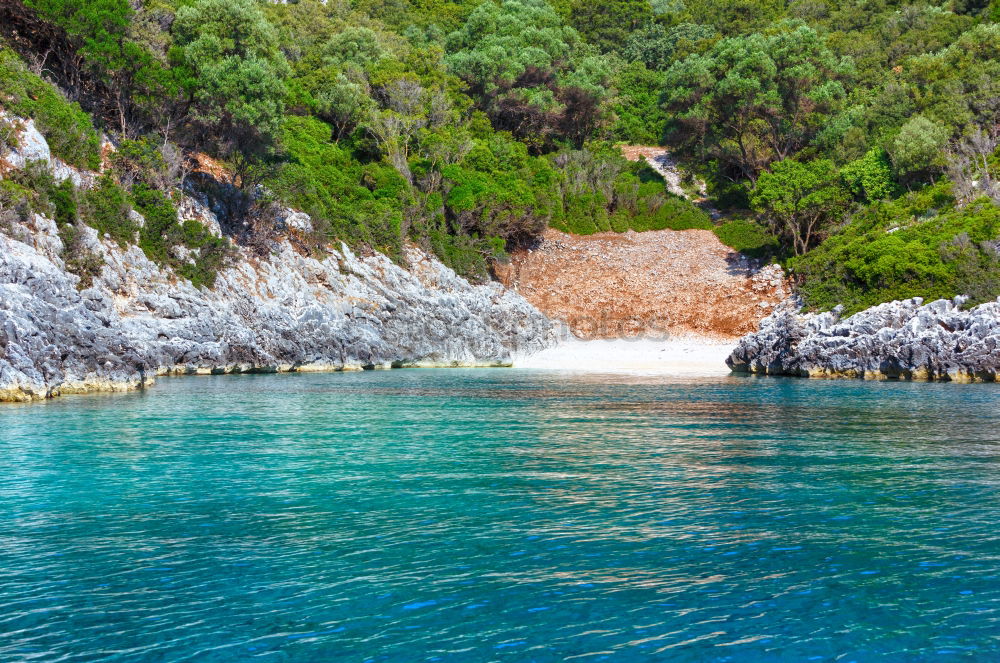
898,340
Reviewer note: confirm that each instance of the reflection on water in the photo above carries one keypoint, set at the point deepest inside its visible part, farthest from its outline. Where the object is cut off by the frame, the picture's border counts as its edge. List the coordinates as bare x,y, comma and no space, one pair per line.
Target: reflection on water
502,515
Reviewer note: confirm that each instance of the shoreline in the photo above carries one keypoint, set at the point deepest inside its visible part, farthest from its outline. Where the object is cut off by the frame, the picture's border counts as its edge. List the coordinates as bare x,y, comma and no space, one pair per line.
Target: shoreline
22,394
683,356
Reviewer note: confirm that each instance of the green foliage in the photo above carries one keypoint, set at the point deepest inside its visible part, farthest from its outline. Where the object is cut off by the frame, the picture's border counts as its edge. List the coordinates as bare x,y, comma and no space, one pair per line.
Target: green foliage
733,16
870,177
918,147
917,246
34,189
531,73
609,23
165,241
499,43
639,117
756,99
749,237
98,24
799,200
602,192
142,161
16,203
108,37
105,208
351,202
657,46
68,130
226,55
160,232
959,86
35,186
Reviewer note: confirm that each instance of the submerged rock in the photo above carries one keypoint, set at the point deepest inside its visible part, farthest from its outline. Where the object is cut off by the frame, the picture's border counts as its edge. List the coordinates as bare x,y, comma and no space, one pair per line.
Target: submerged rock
899,340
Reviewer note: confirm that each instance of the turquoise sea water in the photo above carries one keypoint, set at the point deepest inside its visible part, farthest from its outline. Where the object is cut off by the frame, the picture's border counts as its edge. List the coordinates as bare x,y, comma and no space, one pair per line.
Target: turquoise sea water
502,515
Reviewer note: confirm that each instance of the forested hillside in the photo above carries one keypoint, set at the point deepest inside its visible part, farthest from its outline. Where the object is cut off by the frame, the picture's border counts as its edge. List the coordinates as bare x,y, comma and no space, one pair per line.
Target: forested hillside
853,141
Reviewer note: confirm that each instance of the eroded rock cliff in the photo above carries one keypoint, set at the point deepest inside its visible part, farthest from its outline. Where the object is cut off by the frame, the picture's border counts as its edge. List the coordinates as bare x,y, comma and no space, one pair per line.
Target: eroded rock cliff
285,312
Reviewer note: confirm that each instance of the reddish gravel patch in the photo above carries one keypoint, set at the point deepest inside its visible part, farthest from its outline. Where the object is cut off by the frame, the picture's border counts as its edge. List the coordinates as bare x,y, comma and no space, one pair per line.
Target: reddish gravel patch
656,283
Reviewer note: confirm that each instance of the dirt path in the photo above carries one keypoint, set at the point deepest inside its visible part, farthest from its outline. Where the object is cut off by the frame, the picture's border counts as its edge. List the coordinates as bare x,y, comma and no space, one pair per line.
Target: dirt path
660,160
656,284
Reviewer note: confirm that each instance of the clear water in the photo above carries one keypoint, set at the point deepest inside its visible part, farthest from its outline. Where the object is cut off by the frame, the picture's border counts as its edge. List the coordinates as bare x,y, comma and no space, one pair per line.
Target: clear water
502,515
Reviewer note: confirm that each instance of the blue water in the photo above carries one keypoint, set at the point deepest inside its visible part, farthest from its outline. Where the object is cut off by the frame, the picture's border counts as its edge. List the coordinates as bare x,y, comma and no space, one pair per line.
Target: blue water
502,515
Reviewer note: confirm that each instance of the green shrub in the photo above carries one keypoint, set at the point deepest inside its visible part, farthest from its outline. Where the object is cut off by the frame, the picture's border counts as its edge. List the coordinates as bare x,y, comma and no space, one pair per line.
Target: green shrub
162,233
106,209
66,127
916,246
351,202
673,213
16,203
587,214
870,177
33,188
79,260
464,254
33,185
747,236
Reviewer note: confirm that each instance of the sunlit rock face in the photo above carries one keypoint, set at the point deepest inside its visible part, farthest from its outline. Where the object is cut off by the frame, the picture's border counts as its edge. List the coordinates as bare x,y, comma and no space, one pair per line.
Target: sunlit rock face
285,311
906,340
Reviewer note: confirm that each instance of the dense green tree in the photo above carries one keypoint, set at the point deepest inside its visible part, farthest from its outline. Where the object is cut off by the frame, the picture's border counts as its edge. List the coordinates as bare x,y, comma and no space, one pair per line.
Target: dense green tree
918,149
656,45
609,23
798,200
227,57
870,177
756,99
530,71
639,116
959,87
734,16
137,88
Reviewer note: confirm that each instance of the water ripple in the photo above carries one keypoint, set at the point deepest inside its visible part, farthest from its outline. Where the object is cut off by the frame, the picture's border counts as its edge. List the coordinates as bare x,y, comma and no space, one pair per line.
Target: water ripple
502,516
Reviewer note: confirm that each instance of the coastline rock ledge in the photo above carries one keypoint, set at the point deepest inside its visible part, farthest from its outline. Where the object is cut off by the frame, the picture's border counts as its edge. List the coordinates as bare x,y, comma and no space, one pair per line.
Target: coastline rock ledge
905,340
284,313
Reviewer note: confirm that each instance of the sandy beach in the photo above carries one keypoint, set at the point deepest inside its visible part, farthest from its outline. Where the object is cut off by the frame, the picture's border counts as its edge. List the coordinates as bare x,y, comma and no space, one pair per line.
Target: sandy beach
678,356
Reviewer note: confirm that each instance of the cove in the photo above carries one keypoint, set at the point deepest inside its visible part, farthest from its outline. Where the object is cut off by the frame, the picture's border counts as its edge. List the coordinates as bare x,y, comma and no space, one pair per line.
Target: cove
502,515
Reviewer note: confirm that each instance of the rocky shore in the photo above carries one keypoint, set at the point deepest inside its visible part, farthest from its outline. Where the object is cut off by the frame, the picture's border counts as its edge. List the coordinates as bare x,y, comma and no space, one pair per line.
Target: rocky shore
283,312
906,340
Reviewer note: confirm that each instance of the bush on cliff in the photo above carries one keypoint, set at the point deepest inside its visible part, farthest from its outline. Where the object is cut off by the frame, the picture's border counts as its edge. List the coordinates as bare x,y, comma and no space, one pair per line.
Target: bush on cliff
106,208
34,189
67,129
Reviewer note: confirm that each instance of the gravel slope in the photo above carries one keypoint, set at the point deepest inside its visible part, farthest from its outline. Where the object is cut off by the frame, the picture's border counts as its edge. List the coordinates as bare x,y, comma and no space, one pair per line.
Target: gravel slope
654,284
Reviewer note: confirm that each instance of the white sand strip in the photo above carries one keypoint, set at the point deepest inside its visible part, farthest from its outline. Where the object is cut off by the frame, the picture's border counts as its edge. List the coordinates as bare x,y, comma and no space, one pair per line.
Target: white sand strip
677,356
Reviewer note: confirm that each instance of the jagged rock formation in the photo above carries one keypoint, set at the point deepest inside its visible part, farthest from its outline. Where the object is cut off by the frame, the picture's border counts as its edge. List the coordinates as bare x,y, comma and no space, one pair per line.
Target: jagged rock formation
284,312
898,340
654,283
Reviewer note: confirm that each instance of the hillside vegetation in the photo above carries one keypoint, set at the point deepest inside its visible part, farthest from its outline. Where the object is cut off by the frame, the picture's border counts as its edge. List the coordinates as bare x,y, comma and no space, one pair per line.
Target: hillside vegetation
856,143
